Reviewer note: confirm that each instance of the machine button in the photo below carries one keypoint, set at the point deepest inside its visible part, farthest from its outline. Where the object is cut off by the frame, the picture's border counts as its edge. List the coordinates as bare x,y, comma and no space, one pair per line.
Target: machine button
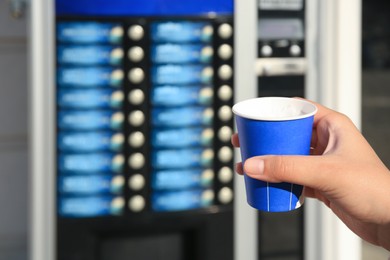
136,161
208,196
225,113
295,50
117,77
206,54
266,51
225,195
225,72
117,204
225,133
225,93
117,98
136,75
136,54
225,51
136,118
225,174
117,33
117,183
117,120
136,139
116,55
136,32
117,141
136,97
225,31
137,203
225,154
136,182
207,176
117,163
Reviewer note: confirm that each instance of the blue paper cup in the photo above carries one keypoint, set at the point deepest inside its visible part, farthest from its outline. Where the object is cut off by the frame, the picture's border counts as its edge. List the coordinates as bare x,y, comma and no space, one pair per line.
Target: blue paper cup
274,126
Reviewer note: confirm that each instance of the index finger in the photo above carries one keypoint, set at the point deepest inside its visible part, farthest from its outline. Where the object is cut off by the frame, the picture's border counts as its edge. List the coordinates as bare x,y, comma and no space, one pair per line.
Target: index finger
235,141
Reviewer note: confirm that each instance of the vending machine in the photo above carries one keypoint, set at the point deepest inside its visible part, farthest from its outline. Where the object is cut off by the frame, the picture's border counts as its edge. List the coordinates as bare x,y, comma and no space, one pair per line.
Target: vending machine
130,120
141,125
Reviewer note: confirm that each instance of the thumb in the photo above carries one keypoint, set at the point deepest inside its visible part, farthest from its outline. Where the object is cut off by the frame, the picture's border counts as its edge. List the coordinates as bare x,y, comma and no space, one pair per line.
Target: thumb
309,171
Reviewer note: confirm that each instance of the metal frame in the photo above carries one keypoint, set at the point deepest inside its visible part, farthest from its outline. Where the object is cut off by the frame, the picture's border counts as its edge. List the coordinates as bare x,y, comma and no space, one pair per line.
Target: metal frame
42,242
245,218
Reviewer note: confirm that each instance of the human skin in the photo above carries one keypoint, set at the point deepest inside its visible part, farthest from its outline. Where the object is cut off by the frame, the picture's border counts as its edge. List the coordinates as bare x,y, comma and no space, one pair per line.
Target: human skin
343,172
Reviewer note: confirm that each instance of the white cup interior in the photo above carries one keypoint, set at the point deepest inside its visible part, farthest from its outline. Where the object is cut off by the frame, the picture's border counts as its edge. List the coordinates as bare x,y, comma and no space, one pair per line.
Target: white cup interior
274,108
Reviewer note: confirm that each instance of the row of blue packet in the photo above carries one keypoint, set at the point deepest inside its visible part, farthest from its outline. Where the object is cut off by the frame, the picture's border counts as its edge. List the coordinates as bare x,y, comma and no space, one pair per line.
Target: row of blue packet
114,120
89,163
163,95
89,141
98,184
113,33
101,55
92,77
106,205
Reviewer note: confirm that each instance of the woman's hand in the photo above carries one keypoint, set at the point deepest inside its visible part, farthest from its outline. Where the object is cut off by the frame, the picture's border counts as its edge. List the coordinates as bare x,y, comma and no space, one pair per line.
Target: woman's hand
343,172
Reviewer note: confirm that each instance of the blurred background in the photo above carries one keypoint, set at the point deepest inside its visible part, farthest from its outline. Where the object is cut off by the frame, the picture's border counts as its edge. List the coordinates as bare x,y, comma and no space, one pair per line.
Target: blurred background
14,150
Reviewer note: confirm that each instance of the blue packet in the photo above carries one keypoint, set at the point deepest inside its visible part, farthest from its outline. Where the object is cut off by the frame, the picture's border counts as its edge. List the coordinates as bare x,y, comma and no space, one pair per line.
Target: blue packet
90,163
89,55
182,137
90,206
181,53
89,98
174,95
89,77
181,31
182,158
89,120
182,116
181,200
89,32
90,141
181,74
90,184
182,179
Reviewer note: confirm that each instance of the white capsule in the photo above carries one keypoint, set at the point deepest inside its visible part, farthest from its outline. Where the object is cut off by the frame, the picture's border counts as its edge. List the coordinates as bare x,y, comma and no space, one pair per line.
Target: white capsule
225,72
136,54
136,118
136,139
225,113
225,154
136,32
225,93
225,51
225,31
136,97
225,133
225,195
136,75
136,203
137,161
136,182
225,174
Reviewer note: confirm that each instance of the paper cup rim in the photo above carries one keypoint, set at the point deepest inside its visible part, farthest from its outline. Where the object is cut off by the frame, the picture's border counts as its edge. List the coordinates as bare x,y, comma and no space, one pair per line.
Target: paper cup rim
311,109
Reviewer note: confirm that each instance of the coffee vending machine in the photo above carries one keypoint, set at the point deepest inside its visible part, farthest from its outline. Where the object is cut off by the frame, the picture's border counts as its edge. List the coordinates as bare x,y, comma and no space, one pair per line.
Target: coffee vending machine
140,127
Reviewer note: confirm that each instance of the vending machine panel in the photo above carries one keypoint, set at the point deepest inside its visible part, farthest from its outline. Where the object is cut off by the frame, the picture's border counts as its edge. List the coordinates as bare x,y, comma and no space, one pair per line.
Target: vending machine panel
144,94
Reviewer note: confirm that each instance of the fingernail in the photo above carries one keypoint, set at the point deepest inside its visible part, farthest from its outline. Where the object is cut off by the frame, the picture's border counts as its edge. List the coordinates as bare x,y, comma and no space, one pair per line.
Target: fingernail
254,166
